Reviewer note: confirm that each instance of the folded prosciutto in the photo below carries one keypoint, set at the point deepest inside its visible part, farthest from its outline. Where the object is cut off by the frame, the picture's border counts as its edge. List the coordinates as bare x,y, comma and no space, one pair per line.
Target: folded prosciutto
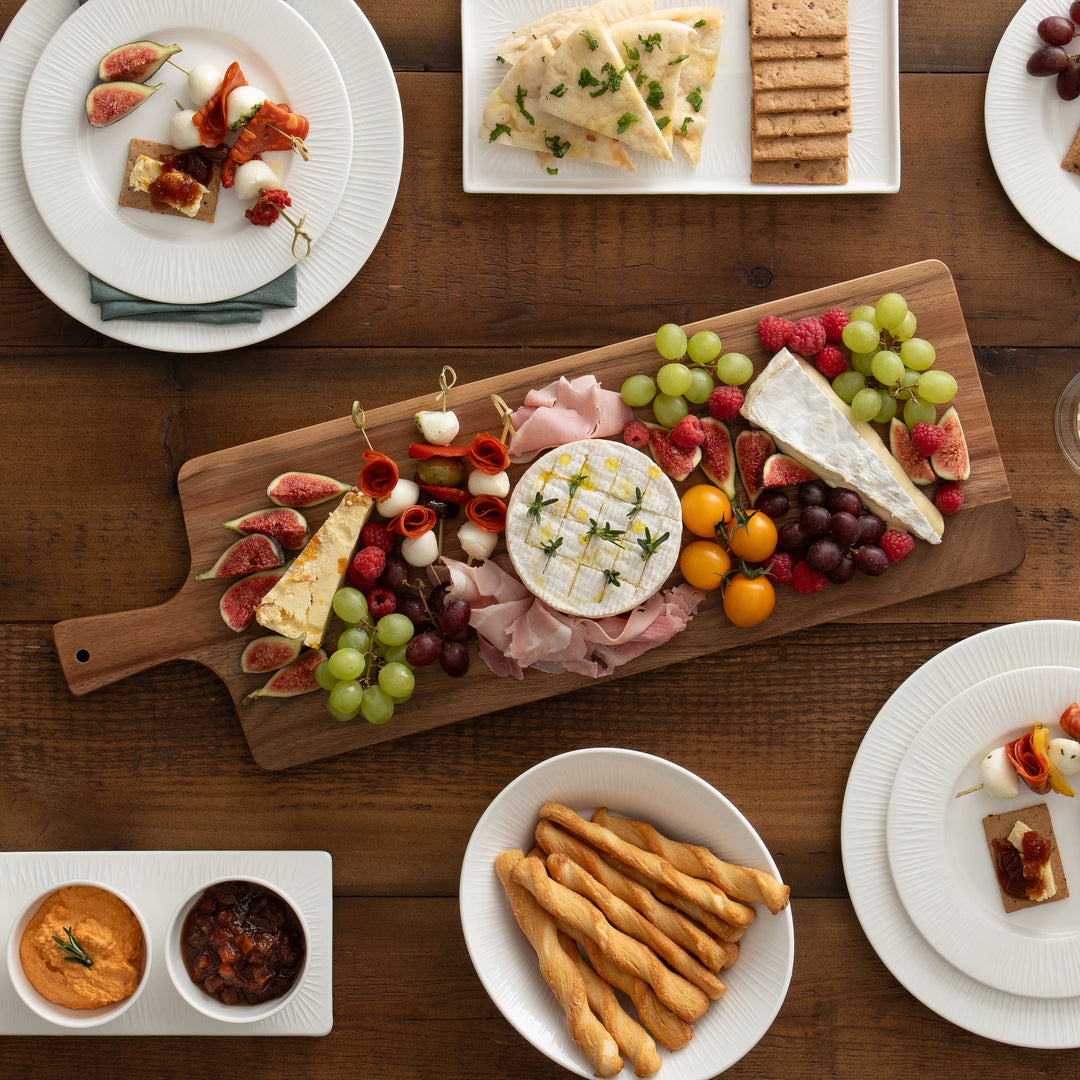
516,631
565,411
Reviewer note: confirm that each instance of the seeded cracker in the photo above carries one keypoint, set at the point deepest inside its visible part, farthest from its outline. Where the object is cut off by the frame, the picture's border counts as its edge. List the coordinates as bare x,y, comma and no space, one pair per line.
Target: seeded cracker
810,72
796,48
798,18
814,99
820,171
830,122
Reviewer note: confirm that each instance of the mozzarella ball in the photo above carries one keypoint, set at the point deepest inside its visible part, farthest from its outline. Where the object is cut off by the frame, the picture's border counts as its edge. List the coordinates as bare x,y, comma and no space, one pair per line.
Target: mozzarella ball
482,483
242,104
203,81
477,543
1065,754
404,494
420,550
252,177
183,134
998,776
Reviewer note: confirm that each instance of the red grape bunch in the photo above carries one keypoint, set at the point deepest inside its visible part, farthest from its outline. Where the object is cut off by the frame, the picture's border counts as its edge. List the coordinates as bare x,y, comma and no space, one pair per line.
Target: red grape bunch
1057,31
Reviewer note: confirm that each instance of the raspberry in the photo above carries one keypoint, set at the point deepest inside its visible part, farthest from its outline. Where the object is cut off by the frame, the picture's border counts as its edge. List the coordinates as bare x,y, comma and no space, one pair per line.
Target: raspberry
381,602
805,581
834,320
376,534
808,336
636,434
949,498
830,361
370,562
773,332
927,438
725,402
688,432
895,544
780,568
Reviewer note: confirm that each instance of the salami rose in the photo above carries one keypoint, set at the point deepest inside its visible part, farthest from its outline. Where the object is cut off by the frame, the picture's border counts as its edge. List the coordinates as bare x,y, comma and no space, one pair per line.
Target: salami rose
488,512
1031,766
413,521
488,454
378,476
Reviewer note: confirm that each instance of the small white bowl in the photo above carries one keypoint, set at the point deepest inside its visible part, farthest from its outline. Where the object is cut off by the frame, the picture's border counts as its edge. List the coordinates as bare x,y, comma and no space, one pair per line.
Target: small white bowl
1067,421
61,1014
198,998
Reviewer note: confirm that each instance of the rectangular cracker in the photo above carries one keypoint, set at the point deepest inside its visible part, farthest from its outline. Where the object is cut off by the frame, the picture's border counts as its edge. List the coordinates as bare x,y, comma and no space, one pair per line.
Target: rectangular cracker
798,147
797,48
142,200
778,125
811,72
1037,817
797,18
819,171
802,99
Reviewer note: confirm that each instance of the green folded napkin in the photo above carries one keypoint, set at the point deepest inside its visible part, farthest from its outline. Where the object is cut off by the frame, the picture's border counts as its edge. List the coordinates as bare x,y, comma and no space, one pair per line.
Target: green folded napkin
116,304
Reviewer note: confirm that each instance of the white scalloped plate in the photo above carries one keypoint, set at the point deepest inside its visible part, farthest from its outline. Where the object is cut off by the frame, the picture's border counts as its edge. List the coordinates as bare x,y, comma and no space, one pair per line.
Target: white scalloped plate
680,805
75,172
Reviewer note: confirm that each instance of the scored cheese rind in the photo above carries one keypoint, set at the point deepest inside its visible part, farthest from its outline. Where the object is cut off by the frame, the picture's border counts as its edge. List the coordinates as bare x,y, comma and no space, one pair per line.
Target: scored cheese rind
300,604
795,404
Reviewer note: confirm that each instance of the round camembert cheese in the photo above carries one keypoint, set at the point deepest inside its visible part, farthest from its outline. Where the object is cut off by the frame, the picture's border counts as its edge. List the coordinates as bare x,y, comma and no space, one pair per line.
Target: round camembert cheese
593,528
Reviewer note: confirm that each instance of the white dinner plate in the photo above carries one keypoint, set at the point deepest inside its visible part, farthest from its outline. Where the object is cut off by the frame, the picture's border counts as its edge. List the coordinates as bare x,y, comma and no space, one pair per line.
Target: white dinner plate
157,882
873,146
370,189
1047,1023
1028,131
75,172
940,860
682,806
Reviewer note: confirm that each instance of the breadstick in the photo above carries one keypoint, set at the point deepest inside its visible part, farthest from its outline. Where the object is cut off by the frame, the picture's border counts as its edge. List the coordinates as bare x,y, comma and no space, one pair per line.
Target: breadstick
656,868
740,882
634,1041
630,921
560,973
679,994
713,953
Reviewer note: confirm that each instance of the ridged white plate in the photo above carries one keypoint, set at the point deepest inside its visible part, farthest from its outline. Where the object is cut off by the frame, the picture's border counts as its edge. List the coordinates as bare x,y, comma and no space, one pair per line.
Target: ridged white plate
682,806
1028,131
1049,1023
873,146
75,172
370,190
940,861
157,882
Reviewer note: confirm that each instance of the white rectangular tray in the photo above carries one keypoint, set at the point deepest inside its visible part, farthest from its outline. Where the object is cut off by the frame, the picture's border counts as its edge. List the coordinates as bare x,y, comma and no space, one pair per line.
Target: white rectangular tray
873,147
157,883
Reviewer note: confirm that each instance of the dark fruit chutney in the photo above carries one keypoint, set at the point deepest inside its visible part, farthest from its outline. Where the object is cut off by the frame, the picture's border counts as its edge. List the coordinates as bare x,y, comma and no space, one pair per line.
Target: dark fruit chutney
242,944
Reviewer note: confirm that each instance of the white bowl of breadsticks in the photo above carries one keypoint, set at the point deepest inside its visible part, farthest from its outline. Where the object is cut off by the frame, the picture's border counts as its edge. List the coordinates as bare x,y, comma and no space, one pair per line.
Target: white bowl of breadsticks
625,917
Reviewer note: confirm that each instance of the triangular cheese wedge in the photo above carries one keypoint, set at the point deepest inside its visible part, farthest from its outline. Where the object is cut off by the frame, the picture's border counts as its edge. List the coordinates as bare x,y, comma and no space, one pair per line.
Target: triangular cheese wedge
513,116
586,83
558,23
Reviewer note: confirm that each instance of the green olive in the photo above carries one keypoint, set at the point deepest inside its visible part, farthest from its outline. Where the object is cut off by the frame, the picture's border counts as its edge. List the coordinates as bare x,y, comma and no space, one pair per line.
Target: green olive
446,472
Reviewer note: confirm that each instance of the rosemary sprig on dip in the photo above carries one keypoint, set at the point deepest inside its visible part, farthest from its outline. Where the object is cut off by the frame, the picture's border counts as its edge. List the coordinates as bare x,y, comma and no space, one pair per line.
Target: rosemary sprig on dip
74,953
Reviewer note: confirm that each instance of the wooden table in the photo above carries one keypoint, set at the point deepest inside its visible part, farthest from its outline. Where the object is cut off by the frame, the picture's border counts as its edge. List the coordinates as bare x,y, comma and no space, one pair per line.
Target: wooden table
95,433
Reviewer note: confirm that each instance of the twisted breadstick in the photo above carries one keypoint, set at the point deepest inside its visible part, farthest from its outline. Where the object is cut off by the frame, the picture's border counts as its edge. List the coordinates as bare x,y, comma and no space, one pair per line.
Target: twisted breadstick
714,953
560,972
634,1041
702,892
740,882
680,995
630,921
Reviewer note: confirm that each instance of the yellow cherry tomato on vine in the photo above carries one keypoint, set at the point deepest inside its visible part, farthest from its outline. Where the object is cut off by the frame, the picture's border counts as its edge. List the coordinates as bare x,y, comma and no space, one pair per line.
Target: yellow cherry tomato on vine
704,506
704,563
753,538
748,600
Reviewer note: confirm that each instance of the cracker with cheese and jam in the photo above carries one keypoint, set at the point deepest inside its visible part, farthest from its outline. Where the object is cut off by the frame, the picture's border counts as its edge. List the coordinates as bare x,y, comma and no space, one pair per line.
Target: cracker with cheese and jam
149,186
1026,859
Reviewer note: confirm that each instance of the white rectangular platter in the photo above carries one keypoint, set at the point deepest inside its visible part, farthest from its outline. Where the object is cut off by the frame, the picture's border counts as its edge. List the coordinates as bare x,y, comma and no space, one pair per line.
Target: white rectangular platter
873,147
157,882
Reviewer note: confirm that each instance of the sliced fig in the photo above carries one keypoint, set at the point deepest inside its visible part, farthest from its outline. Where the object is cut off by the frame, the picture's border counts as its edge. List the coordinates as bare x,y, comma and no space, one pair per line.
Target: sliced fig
303,489
296,678
269,653
718,455
288,526
781,470
108,102
951,461
903,449
239,601
753,448
248,555
676,461
135,61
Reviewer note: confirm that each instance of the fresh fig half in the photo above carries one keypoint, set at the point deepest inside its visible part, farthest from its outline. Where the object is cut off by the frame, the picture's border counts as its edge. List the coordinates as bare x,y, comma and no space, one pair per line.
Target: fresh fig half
718,455
903,449
303,489
239,601
269,653
296,678
678,462
248,555
288,526
108,102
782,470
753,448
951,460
134,61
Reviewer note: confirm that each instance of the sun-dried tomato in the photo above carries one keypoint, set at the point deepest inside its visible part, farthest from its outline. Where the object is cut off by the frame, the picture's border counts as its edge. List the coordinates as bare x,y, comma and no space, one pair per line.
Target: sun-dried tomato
448,494
422,450
266,209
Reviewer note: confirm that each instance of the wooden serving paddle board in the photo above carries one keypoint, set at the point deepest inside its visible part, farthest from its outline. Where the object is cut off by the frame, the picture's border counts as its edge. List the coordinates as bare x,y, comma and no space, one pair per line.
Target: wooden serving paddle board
218,487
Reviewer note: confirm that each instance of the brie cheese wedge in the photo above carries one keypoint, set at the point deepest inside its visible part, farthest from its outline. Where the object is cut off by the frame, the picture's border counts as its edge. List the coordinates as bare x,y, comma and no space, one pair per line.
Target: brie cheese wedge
795,404
300,604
